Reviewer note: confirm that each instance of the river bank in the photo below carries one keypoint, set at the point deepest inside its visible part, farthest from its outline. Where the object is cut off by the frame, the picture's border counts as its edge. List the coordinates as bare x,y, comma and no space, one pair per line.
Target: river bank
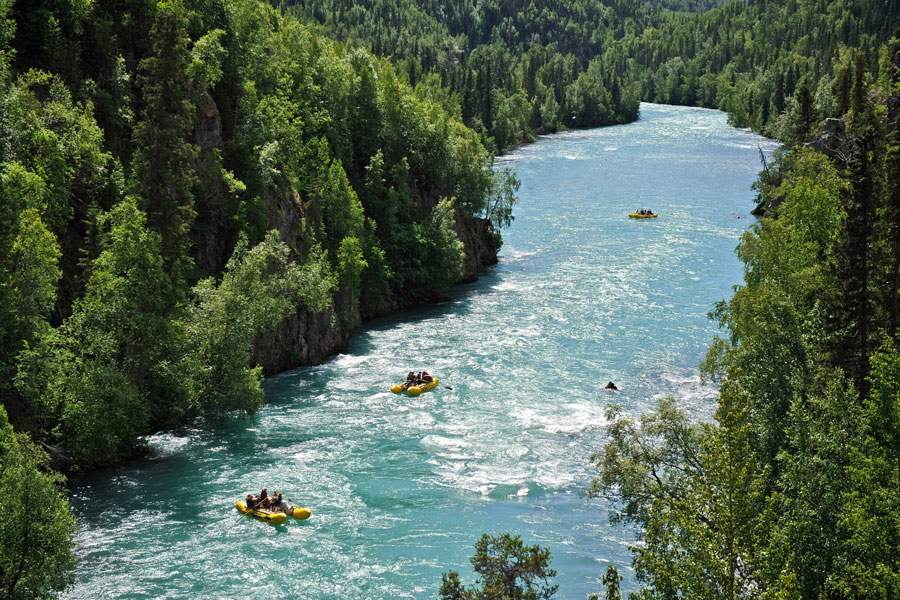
400,488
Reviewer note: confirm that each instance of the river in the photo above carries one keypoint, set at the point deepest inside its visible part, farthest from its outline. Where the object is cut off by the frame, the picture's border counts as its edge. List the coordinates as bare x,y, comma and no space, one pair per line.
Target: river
401,488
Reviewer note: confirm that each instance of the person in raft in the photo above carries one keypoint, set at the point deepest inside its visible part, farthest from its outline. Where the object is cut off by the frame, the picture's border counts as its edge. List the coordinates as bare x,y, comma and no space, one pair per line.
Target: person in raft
426,378
261,501
277,501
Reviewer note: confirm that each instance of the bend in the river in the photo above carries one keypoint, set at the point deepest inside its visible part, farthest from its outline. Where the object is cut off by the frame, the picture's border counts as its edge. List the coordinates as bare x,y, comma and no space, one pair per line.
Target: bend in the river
400,487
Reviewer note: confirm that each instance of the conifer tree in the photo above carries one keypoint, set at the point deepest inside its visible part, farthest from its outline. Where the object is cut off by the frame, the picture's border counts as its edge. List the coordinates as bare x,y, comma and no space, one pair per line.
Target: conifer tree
805,117
868,520
849,300
164,169
889,219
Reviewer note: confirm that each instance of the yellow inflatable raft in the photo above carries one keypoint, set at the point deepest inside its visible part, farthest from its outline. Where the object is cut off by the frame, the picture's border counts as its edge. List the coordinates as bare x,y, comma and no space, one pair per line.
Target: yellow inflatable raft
275,517
637,216
415,390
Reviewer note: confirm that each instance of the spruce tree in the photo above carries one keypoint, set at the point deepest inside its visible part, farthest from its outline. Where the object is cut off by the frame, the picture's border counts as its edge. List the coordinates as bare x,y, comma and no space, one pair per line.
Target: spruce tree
890,216
164,159
849,300
805,116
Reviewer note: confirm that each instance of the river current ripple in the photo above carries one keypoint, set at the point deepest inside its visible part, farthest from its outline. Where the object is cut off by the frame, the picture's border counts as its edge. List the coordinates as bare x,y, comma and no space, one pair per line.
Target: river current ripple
401,488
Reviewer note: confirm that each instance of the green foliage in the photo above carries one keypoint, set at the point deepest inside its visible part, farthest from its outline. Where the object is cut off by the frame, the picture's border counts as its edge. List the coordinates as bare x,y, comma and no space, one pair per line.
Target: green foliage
29,274
697,494
93,373
120,363
887,271
29,284
807,408
849,301
588,62
341,209
51,153
163,161
36,530
140,143
611,580
509,70
821,433
7,29
351,262
775,328
502,199
507,569
207,55
872,502
812,189
445,253
258,289
686,5
34,272
759,61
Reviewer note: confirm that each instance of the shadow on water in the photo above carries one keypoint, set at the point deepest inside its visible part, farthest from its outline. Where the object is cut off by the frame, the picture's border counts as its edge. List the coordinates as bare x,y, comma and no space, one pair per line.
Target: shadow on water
401,487
458,303
189,455
458,298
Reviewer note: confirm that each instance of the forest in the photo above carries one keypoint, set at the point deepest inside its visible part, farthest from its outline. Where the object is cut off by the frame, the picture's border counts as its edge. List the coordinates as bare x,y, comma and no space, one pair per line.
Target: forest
177,177
793,491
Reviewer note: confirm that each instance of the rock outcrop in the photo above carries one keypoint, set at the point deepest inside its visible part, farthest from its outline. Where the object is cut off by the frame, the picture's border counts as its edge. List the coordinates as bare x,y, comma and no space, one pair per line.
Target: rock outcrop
480,241
305,338
832,141
214,236
302,338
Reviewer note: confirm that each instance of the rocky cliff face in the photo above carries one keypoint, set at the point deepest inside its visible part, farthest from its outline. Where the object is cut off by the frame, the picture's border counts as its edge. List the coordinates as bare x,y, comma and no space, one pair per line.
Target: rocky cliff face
480,241
303,338
215,236
831,140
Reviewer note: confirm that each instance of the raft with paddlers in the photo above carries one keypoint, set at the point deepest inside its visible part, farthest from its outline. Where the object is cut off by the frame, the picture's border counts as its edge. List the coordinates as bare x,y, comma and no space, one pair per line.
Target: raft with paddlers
643,214
416,383
271,509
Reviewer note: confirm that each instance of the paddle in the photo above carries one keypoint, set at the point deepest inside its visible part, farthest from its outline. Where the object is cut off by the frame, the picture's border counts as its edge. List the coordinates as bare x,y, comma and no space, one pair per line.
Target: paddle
242,514
257,505
443,386
291,500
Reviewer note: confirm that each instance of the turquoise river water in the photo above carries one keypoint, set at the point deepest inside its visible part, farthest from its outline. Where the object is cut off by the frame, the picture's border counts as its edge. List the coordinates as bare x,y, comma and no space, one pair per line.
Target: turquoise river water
401,488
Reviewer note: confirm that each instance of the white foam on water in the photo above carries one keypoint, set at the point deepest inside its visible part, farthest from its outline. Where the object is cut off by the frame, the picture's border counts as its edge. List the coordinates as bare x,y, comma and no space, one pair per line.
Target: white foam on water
401,487
167,444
